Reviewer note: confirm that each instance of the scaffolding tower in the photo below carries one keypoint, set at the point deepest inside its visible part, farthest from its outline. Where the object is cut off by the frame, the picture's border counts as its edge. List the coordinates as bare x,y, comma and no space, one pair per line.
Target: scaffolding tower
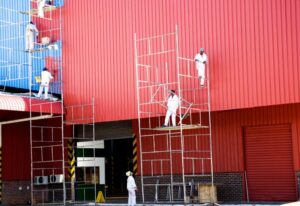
46,135
84,170
174,161
59,148
20,74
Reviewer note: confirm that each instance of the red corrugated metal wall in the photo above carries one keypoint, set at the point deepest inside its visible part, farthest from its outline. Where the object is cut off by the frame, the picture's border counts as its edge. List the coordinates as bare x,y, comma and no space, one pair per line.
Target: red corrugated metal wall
269,163
16,152
227,133
16,148
252,48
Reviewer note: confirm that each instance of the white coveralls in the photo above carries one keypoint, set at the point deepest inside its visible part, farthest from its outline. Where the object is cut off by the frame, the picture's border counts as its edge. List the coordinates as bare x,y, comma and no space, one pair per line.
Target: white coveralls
131,187
31,33
173,104
41,4
46,77
200,65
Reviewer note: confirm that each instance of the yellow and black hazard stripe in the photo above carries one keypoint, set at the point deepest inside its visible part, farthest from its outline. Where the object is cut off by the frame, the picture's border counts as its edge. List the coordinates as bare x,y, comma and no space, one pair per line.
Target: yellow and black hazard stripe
71,159
134,155
0,175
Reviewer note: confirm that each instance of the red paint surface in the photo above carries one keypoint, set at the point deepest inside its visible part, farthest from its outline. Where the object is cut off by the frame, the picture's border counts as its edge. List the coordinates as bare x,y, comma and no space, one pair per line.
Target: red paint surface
252,48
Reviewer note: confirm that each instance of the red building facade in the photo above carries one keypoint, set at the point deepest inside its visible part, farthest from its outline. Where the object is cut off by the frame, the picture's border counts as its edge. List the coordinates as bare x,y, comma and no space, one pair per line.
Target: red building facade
253,51
252,48
253,60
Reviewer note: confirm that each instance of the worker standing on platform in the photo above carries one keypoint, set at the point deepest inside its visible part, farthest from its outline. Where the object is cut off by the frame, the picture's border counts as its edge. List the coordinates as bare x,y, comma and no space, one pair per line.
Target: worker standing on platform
201,60
31,35
131,187
173,104
41,4
46,77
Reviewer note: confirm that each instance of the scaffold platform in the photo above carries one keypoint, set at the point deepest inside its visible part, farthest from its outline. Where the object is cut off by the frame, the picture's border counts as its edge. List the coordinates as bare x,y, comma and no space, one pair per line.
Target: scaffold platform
47,8
179,127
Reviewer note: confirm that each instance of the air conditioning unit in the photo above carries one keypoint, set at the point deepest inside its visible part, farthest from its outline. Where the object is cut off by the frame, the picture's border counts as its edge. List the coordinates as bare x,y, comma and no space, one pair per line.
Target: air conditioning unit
40,180
56,178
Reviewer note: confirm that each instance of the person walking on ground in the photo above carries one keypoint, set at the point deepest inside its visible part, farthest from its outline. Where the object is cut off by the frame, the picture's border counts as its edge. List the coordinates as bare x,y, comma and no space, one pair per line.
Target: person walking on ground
173,104
201,60
131,187
31,35
46,77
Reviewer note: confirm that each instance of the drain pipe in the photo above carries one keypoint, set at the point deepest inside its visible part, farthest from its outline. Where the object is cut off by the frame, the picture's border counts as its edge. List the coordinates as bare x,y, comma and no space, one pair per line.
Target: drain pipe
246,184
21,120
27,119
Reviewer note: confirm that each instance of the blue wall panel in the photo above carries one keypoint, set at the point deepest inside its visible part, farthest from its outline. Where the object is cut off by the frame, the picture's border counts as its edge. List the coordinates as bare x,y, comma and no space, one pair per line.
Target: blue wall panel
14,61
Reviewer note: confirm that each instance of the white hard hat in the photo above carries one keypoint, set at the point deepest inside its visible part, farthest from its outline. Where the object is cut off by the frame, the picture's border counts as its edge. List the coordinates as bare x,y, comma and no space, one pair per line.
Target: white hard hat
128,173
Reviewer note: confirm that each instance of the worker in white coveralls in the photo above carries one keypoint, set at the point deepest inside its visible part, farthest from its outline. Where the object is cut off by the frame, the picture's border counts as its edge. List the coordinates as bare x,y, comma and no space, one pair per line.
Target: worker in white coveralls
131,187
41,4
46,77
31,35
201,61
173,104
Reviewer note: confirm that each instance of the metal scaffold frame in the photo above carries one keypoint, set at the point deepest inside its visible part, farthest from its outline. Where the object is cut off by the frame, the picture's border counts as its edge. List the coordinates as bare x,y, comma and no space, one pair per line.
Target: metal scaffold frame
19,70
53,150
173,160
81,147
47,156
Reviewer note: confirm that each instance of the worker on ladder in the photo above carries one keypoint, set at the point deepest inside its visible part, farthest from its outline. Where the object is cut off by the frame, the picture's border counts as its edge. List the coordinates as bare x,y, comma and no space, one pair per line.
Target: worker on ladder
173,104
40,5
201,60
31,35
46,77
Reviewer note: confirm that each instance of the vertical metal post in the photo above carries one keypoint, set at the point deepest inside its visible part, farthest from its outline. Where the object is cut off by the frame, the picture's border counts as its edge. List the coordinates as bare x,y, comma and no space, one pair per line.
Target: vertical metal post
169,137
246,184
93,137
171,165
139,116
0,138
62,101
181,130
210,131
30,106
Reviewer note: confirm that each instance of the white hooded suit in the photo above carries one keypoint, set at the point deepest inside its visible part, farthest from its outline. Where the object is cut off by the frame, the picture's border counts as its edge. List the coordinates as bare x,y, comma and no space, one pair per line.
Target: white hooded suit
131,187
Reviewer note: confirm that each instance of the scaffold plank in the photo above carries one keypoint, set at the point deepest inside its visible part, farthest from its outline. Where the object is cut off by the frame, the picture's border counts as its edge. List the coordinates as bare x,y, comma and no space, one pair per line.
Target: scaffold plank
51,46
35,11
184,127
